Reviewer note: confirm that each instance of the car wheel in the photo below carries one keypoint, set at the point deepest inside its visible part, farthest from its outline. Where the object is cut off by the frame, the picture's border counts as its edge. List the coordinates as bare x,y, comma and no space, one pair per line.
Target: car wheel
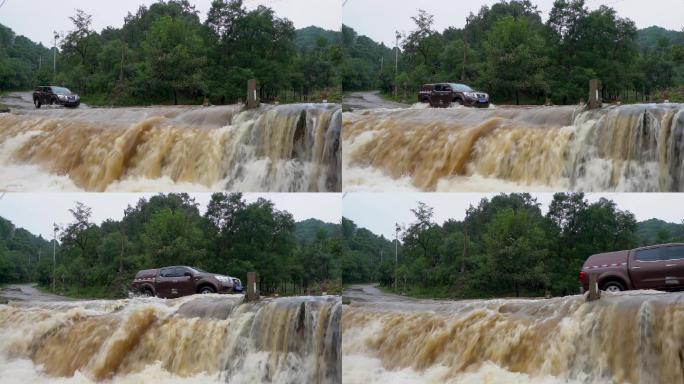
146,292
37,103
612,286
459,101
206,289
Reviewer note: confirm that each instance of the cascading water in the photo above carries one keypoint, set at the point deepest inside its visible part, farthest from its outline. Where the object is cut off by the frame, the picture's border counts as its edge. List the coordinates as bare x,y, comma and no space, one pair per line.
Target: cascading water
196,339
632,337
637,148
285,148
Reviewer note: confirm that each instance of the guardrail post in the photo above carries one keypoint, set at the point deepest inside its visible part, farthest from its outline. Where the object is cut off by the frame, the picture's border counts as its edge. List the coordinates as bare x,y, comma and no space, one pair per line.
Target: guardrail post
252,98
594,293
595,100
252,291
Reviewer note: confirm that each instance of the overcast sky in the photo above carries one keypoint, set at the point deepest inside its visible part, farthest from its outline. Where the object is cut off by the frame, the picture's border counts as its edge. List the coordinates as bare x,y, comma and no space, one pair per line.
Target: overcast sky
37,211
36,19
379,19
379,212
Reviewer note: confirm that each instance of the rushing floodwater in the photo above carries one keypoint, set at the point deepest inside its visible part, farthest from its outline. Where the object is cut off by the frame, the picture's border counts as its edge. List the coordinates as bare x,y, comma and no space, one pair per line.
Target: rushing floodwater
635,337
286,148
197,339
618,148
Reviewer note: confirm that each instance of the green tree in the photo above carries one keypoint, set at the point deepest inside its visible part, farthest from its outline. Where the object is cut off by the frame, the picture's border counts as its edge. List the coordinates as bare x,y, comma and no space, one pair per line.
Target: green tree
174,56
516,58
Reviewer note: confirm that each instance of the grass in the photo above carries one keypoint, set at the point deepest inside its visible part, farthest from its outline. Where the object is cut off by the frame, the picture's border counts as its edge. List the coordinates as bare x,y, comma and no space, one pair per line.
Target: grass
419,292
80,292
443,292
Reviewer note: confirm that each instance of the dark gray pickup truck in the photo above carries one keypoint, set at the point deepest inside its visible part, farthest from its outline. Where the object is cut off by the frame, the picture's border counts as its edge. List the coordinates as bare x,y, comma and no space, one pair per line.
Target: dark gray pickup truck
658,267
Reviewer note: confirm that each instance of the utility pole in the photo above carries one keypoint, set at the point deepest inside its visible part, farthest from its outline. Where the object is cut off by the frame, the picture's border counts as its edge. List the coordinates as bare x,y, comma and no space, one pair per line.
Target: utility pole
382,62
54,56
54,253
122,64
465,242
40,62
396,64
465,49
396,254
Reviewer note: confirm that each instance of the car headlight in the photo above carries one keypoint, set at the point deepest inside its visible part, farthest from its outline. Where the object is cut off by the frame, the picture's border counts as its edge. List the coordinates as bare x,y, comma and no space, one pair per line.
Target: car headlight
224,279
471,94
61,97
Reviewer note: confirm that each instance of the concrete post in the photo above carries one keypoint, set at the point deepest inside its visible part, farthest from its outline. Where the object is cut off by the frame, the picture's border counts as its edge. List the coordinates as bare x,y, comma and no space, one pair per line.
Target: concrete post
594,293
595,94
252,292
252,98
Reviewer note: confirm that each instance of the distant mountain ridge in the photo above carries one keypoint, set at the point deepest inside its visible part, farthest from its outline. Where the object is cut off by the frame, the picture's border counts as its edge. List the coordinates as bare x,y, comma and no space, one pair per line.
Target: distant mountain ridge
307,38
649,38
654,231
306,230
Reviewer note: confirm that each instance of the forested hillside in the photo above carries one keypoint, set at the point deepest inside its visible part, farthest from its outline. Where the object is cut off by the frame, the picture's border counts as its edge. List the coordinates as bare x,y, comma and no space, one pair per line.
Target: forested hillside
21,60
505,247
232,237
20,253
509,52
307,230
656,231
164,54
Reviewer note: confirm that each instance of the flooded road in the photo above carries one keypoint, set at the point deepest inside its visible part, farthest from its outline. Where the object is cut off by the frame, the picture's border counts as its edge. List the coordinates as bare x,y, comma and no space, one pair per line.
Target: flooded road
28,293
369,100
628,148
283,148
194,339
632,337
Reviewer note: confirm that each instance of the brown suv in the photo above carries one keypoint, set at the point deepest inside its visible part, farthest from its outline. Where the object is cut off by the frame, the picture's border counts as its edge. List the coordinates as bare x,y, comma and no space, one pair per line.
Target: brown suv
446,94
170,282
654,267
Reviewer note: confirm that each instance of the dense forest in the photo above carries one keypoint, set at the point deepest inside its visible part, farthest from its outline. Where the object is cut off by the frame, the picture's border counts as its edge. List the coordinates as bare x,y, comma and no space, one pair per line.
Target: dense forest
509,52
232,237
165,54
504,247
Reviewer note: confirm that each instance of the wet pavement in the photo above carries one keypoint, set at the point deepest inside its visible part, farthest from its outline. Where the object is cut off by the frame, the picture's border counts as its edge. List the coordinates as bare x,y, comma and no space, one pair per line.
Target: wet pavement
369,100
24,101
28,292
371,293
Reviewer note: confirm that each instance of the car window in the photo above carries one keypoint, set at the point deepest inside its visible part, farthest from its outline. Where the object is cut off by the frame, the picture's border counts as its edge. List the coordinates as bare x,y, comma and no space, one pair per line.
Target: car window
61,90
461,88
438,87
447,88
165,272
673,252
179,271
651,254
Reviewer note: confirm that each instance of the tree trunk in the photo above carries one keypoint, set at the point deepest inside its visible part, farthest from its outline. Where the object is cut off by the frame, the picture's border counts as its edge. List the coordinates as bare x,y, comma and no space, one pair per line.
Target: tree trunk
517,97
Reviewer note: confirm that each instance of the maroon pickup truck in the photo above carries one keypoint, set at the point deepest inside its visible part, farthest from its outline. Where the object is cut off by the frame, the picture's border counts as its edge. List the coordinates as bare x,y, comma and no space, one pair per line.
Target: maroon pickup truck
658,267
171,282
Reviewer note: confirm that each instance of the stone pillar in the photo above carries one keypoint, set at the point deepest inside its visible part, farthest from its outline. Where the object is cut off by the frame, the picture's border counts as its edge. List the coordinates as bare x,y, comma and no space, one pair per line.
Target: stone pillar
595,94
594,293
252,292
252,98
